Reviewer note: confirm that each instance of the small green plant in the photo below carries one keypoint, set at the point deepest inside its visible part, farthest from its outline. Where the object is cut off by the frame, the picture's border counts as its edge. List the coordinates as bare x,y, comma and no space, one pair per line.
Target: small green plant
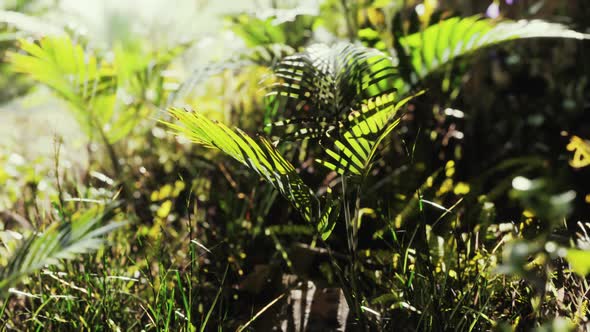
348,98
394,172
108,97
62,240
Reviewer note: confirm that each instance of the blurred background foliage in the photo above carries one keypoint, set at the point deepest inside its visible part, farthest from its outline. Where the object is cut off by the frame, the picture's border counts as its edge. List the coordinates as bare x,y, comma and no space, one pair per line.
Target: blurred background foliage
475,215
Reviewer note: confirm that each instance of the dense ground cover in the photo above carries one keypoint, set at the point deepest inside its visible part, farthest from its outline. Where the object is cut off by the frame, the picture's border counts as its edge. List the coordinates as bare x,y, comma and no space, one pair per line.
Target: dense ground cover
340,165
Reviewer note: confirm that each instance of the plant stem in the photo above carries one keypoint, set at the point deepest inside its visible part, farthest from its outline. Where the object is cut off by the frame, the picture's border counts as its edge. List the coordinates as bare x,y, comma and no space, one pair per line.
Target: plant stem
111,152
352,237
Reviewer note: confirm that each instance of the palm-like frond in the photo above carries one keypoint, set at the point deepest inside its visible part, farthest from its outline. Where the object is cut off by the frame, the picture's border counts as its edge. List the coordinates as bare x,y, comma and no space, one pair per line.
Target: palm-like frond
346,95
451,38
353,151
90,85
62,240
259,155
329,215
76,75
317,90
73,74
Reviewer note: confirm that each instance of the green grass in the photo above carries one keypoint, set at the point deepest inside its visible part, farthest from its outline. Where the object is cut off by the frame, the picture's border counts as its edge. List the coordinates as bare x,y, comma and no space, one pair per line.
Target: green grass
463,212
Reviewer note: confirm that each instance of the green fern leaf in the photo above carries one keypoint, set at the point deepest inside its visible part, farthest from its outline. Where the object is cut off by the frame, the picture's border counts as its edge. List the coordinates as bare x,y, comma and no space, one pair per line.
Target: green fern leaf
330,214
90,85
259,155
353,152
319,88
345,95
451,38
61,241
73,74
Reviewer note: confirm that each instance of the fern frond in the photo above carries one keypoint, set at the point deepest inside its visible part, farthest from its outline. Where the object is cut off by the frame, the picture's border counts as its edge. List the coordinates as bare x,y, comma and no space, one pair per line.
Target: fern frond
345,95
319,88
61,241
92,86
451,38
259,155
73,74
329,215
353,152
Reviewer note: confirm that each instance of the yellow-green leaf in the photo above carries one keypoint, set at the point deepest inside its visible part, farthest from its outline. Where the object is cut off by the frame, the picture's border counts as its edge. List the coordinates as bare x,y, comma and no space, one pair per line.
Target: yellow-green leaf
579,261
